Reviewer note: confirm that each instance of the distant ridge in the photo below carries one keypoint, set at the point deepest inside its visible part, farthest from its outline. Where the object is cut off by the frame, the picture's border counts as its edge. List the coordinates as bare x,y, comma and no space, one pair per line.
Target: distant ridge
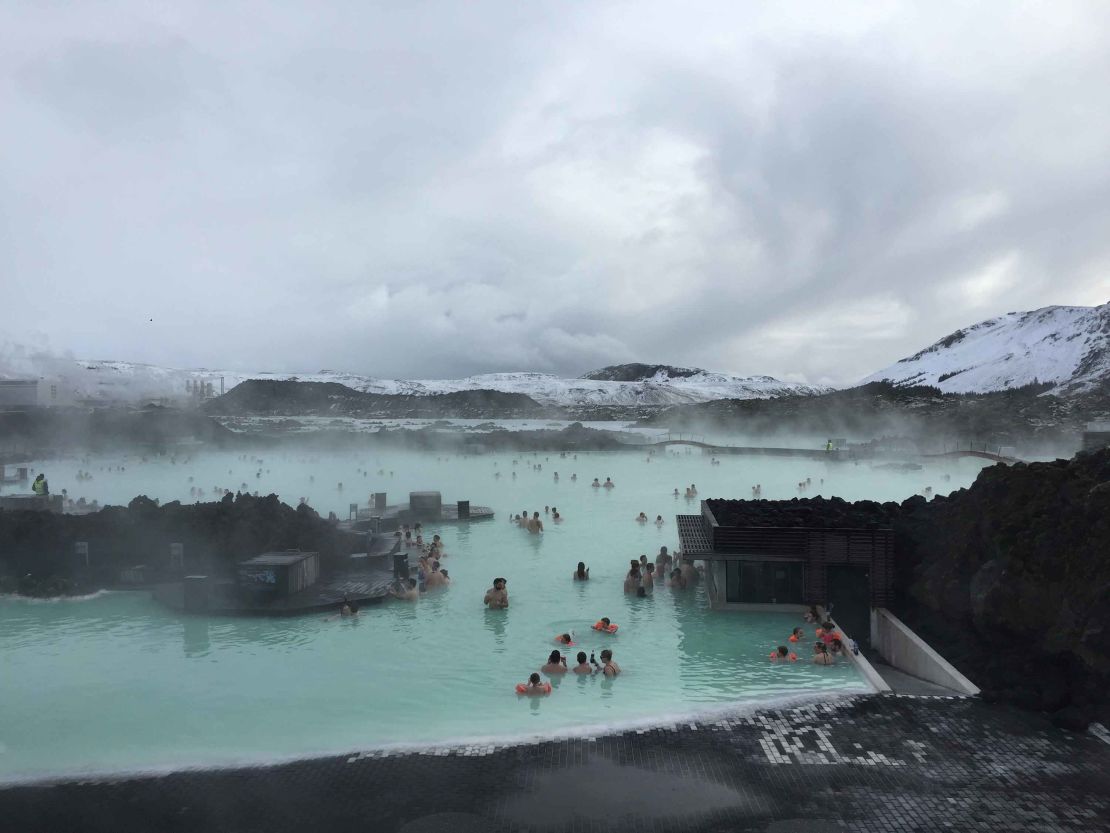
272,397
1065,348
635,386
636,372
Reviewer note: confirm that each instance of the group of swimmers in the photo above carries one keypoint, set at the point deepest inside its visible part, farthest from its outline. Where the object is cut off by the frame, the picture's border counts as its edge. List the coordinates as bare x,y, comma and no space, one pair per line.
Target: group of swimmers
829,644
573,477
497,598
643,575
430,573
556,665
691,491
532,523
608,484
79,505
413,538
640,579
643,519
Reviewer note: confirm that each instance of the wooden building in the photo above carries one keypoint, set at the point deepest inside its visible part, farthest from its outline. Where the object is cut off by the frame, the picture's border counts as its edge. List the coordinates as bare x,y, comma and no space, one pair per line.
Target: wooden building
849,568
278,574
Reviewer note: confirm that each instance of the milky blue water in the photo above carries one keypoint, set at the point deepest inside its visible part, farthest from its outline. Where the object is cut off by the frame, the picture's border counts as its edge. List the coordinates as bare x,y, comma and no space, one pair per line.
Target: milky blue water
115,682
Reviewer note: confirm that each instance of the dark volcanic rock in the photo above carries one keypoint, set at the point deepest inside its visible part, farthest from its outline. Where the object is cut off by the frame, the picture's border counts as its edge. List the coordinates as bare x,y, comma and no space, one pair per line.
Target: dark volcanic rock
267,397
36,548
812,512
63,429
1009,580
636,372
1013,575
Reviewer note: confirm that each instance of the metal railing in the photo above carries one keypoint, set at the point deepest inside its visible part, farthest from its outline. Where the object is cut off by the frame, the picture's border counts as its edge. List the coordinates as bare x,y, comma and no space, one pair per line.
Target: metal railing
662,439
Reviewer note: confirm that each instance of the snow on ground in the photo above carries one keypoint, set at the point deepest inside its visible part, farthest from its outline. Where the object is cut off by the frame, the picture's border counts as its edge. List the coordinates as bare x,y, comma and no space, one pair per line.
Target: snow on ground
1068,346
308,425
548,389
119,381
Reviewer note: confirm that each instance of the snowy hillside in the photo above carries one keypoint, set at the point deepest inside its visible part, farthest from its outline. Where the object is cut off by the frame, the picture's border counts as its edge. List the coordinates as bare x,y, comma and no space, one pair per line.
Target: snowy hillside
1067,346
117,381
548,389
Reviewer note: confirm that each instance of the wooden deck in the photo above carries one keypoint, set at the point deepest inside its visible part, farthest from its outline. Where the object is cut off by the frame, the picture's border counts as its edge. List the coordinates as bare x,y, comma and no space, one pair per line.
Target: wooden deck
369,585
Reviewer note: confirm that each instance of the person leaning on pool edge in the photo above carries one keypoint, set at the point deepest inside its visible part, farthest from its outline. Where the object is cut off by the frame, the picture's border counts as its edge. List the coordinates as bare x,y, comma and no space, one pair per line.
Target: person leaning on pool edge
497,597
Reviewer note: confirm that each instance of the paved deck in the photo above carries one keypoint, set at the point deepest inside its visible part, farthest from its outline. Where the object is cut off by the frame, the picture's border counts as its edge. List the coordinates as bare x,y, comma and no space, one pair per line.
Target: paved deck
391,518
902,683
880,762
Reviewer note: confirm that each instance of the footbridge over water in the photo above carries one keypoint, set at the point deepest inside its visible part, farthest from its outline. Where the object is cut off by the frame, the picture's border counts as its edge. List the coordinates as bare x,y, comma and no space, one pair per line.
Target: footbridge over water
699,441
672,438
967,452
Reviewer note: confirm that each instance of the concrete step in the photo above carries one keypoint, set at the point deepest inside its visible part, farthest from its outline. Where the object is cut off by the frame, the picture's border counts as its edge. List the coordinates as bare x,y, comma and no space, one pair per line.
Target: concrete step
902,683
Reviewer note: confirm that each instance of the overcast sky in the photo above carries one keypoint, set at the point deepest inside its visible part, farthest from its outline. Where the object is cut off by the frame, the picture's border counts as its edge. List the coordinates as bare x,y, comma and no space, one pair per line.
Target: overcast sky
425,189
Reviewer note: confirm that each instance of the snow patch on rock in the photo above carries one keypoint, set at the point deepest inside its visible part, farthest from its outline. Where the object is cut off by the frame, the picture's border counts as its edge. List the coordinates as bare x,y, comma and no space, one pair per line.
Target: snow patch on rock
1068,347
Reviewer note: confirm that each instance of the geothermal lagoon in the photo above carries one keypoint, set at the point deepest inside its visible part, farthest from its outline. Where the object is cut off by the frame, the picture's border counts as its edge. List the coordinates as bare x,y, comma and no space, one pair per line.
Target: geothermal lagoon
115,682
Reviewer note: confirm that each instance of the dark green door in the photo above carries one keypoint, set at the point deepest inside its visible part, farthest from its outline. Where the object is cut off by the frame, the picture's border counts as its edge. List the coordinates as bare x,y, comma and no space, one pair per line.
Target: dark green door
849,592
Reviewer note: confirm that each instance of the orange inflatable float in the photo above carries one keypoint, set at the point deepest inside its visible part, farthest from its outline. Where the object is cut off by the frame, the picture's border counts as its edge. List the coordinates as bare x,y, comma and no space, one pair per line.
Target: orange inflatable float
523,688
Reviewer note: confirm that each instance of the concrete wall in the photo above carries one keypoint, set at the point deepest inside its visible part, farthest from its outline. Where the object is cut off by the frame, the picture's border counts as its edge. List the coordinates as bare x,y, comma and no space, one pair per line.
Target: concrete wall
31,503
866,670
715,583
908,652
19,394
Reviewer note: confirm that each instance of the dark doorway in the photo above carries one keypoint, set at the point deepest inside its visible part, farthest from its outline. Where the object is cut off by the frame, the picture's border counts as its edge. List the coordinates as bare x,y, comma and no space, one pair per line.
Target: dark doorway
849,592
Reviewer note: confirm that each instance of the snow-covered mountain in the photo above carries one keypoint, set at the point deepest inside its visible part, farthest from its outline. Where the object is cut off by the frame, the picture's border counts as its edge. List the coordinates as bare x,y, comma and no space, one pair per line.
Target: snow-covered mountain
1066,346
118,381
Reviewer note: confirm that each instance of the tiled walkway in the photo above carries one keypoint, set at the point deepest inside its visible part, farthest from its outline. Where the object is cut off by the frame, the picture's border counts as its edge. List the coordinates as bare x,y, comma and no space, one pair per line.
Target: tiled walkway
881,763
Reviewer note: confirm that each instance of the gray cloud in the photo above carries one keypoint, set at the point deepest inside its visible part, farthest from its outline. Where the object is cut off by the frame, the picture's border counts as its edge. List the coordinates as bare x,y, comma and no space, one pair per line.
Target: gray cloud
437,189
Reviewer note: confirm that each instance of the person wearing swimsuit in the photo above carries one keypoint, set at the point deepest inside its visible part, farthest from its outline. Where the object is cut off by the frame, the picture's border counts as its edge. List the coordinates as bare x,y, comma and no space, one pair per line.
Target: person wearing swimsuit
608,667
821,655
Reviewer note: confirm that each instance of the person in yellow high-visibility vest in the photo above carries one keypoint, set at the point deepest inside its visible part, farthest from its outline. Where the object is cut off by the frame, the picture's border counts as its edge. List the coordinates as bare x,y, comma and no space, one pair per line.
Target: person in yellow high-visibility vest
40,487
828,446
